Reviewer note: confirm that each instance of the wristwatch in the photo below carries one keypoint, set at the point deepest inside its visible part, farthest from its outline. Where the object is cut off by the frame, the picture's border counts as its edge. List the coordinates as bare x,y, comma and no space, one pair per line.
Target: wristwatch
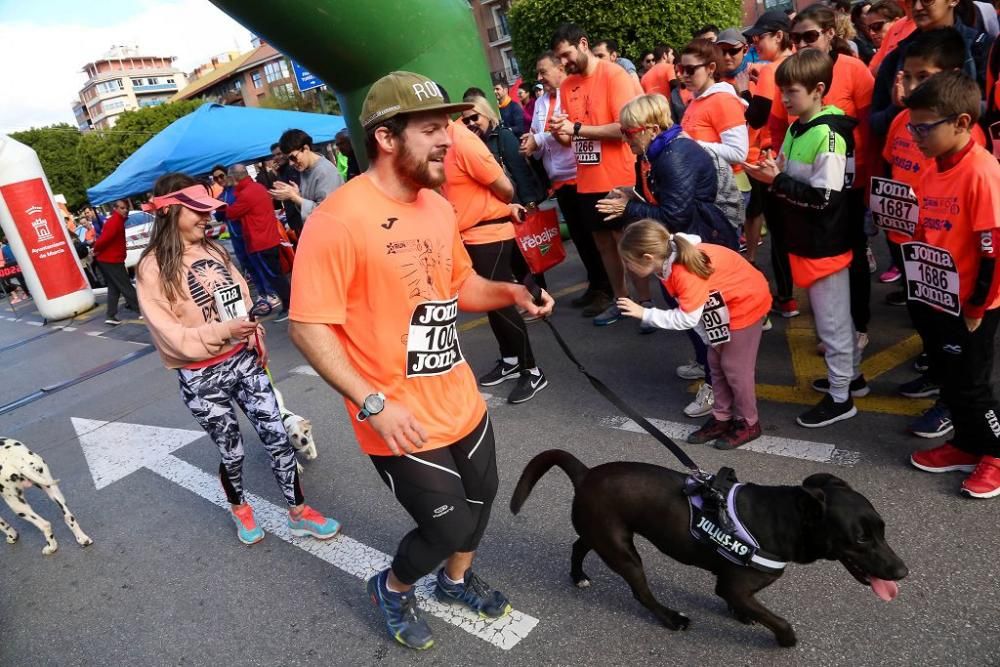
373,405
576,128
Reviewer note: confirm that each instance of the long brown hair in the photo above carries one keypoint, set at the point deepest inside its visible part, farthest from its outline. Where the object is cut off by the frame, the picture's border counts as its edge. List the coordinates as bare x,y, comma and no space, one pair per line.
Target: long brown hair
165,242
649,237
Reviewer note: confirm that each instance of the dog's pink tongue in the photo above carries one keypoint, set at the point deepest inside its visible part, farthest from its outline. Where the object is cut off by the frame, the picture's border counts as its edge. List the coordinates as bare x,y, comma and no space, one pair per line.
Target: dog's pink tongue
887,590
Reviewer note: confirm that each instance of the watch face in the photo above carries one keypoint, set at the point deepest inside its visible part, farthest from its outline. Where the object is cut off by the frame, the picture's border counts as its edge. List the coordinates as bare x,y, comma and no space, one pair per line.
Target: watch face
374,404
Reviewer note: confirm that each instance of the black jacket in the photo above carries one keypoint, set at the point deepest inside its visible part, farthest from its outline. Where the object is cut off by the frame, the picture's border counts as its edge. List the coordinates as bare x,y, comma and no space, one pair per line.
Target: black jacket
506,149
683,180
512,116
814,220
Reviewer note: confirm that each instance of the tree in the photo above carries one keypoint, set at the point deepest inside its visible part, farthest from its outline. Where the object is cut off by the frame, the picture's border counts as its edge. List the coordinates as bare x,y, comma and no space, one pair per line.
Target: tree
101,151
636,26
58,151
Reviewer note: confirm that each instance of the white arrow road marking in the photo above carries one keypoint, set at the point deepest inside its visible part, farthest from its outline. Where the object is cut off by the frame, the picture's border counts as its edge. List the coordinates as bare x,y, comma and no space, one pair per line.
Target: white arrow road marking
114,450
491,400
768,444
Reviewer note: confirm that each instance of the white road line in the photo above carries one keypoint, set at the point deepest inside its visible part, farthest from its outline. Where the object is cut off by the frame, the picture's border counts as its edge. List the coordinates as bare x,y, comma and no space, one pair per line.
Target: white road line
94,333
820,452
115,450
350,556
491,400
33,323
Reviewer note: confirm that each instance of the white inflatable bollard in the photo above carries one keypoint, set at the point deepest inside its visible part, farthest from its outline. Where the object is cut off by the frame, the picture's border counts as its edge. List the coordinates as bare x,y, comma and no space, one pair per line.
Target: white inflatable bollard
38,237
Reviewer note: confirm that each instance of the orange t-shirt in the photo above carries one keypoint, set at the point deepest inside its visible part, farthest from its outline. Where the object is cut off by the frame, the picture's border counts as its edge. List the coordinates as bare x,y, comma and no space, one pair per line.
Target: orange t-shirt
743,288
766,87
469,169
906,161
658,78
602,164
385,275
807,270
708,116
899,31
851,92
957,204
755,136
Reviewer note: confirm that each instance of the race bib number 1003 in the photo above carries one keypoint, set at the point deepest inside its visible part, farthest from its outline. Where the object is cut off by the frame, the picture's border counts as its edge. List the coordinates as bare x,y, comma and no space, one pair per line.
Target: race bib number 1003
432,343
894,206
931,276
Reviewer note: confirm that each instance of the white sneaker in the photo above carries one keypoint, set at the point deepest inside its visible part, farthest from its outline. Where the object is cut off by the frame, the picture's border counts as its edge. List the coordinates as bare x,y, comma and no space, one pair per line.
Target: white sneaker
691,371
702,403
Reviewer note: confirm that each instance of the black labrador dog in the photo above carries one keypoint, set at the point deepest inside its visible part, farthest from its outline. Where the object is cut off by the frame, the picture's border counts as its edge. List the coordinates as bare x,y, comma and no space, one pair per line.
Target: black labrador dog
822,519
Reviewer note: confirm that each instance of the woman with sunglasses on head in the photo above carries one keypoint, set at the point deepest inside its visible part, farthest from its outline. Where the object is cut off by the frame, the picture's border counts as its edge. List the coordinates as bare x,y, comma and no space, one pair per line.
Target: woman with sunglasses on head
184,280
930,15
851,92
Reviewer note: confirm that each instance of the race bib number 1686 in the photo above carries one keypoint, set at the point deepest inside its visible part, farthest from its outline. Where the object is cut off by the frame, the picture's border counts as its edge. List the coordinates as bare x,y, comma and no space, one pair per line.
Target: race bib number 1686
432,343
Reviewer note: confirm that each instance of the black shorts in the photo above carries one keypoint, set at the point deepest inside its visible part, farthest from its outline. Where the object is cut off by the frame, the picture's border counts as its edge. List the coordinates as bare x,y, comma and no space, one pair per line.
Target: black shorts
449,492
593,219
756,205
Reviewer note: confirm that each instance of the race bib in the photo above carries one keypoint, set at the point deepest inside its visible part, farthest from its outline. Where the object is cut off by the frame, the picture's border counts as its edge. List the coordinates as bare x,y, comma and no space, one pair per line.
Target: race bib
715,319
432,343
588,151
931,276
229,302
894,205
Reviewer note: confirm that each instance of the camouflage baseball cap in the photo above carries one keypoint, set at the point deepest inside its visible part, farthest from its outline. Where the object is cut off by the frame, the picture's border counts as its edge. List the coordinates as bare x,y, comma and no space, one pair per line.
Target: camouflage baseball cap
404,92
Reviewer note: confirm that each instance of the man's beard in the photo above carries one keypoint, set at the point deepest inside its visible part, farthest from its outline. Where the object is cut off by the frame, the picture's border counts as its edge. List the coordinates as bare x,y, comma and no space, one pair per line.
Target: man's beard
580,64
416,171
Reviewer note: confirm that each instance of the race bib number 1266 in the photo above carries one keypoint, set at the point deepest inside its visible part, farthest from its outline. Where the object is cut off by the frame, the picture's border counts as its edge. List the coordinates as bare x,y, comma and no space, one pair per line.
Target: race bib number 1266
432,343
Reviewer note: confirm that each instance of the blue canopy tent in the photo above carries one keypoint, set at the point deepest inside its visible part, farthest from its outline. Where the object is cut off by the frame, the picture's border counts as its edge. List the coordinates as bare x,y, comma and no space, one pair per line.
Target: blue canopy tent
213,134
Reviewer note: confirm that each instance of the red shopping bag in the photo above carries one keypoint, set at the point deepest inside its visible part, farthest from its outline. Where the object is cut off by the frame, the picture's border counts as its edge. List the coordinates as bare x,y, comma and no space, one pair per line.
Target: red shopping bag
539,240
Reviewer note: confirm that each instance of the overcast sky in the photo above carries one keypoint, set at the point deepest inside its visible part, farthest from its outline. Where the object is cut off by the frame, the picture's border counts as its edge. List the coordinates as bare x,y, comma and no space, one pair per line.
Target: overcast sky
45,43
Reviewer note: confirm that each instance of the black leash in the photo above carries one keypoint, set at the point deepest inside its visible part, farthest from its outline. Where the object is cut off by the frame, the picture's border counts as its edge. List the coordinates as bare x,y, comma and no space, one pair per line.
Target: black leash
616,400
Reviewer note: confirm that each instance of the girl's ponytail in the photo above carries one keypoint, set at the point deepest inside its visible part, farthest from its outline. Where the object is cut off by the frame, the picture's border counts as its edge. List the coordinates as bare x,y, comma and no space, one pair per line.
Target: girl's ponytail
692,259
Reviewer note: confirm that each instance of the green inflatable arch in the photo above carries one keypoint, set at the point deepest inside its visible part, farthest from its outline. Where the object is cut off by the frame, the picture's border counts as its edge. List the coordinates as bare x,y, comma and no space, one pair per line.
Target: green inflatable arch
350,44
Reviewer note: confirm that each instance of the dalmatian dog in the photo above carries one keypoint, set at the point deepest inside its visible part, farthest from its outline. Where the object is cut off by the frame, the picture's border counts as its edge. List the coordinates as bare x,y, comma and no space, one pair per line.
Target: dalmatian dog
299,430
21,468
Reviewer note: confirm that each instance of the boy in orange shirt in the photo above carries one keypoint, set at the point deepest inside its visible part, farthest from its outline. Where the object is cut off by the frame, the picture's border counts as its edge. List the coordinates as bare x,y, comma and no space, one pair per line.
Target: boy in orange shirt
932,52
952,276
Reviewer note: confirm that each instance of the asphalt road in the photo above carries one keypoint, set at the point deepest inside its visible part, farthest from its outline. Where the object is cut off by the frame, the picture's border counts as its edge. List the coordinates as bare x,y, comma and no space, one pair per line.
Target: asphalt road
167,583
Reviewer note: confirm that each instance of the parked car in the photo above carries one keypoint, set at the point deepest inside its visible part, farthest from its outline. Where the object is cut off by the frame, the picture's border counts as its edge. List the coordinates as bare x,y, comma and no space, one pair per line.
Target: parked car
139,226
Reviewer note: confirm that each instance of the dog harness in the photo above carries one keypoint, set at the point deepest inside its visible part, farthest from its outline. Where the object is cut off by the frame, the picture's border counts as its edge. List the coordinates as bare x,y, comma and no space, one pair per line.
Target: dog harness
714,520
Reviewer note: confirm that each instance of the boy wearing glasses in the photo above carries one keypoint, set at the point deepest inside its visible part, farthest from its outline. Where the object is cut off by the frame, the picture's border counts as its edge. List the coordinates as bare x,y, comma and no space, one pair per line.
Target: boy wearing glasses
952,277
808,182
932,52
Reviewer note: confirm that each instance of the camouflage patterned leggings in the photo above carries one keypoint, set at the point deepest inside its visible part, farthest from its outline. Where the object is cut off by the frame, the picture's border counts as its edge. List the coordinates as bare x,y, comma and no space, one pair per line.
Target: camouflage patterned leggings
209,394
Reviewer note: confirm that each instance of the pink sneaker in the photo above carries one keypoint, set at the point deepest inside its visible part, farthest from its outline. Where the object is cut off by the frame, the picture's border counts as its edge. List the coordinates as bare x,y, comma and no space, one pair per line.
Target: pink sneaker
891,275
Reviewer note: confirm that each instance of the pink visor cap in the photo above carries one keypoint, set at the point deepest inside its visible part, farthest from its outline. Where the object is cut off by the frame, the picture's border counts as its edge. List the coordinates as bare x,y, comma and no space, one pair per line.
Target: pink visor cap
194,197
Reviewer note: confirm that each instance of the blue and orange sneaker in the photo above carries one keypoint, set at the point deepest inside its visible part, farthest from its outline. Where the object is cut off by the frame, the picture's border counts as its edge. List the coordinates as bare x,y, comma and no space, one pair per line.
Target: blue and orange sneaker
313,524
246,528
474,593
402,616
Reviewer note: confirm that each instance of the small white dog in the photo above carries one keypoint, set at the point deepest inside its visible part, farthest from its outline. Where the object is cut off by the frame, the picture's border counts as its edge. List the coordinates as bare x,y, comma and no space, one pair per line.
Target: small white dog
299,430
21,468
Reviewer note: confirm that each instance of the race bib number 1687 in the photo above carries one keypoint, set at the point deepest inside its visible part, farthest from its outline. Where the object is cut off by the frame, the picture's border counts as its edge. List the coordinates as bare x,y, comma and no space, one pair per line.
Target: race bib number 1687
432,343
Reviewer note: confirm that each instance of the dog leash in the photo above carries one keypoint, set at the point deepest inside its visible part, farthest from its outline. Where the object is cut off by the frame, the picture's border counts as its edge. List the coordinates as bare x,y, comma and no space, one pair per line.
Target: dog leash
612,397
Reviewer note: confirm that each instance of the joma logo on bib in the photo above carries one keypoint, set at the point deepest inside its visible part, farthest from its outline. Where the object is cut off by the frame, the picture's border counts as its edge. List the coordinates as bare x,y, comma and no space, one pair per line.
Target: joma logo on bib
432,343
